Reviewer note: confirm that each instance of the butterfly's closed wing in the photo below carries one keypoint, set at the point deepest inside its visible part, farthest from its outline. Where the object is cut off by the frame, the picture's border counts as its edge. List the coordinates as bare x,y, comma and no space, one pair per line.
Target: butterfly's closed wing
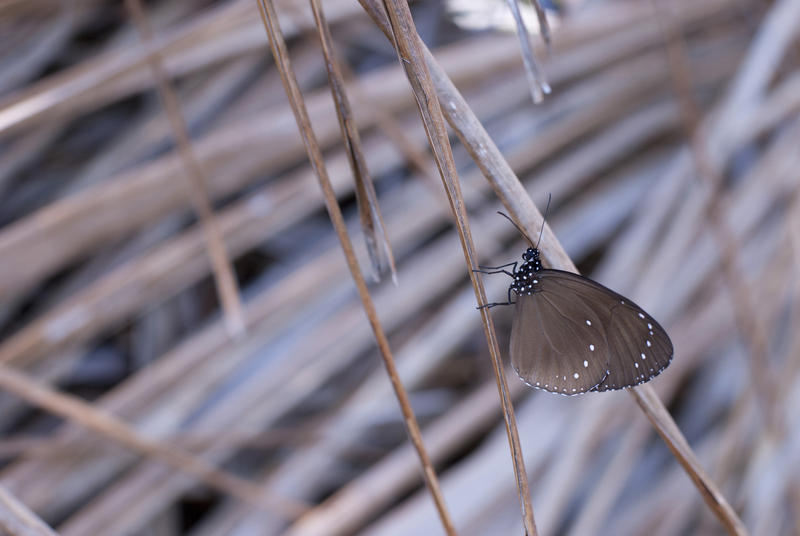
557,340
623,331
640,348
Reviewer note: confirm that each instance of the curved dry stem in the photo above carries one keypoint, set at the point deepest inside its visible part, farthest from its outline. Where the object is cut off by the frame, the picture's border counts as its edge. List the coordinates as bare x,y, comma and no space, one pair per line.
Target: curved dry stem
18,520
380,252
282,62
227,287
536,80
662,421
514,197
749,324
411,53
107,425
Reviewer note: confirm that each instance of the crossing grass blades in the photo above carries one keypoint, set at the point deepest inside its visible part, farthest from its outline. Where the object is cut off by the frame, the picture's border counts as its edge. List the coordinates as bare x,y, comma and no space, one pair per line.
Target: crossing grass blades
571,335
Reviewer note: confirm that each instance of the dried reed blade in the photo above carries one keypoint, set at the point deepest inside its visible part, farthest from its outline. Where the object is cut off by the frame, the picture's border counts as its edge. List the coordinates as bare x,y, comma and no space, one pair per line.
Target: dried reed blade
662,421
536,80
106,425
417,157
411,56
280,53
227,287
544,26
514,197
748,321
16,519
378,247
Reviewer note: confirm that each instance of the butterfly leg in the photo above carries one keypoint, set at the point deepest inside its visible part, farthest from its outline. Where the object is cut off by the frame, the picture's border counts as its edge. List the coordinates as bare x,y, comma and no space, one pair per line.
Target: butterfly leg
490,305
488,270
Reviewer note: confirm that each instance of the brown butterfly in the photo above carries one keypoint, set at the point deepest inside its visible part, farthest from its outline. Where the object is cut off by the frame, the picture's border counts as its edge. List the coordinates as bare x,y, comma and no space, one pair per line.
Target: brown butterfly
571,335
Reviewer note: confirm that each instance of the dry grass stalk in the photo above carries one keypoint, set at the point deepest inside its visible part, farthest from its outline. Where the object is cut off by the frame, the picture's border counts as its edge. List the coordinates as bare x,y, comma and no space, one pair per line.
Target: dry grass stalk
380,251
17,520
536,79
418,158
227,287
749,324
504,181
605,144
69,228
104,424
410,52
270,20
662,421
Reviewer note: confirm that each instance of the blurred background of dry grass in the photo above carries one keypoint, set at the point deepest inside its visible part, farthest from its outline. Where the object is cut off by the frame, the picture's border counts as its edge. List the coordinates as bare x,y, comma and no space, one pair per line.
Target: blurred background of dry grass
670,147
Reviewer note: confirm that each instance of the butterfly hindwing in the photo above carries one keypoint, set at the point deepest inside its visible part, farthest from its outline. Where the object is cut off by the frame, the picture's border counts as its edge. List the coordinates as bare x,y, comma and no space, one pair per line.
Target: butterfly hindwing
640,348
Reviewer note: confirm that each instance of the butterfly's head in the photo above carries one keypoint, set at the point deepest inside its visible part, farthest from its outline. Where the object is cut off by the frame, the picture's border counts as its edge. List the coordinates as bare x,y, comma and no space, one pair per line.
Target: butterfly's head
530,254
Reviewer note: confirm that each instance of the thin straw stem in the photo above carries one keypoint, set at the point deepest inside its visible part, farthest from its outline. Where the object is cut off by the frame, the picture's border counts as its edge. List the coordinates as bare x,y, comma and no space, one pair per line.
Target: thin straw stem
227,288
516,200
377,240
16,519
410,53
105,424
748,322
662,421
270,20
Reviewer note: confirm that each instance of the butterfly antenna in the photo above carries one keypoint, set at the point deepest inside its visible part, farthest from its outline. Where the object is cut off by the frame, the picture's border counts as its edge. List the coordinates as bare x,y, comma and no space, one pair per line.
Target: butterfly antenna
506,216
546,211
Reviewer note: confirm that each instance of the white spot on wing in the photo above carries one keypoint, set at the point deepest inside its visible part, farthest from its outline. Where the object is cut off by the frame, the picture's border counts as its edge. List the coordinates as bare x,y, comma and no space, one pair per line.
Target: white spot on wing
591,347
643,357
649,344
576,375
588,322
585,363
641,316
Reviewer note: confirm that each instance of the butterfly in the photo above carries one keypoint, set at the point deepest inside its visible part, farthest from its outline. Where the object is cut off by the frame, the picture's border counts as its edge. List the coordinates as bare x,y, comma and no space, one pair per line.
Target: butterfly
572,335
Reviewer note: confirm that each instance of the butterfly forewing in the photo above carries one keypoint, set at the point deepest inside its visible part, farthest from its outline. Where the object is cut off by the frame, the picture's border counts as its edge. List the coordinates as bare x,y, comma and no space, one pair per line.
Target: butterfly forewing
557,341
